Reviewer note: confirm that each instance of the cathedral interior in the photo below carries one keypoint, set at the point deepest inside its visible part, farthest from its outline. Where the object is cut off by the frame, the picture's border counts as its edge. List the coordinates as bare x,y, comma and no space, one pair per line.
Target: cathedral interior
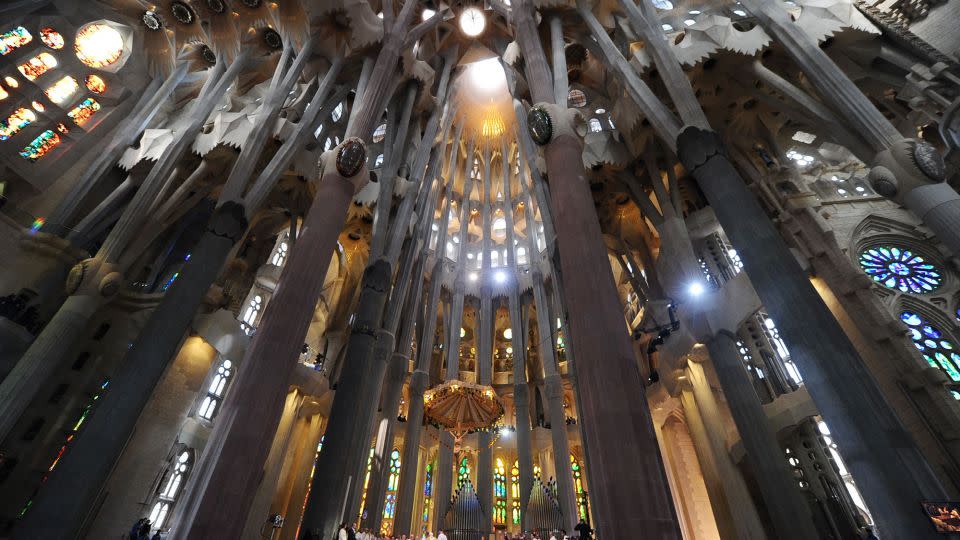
675,268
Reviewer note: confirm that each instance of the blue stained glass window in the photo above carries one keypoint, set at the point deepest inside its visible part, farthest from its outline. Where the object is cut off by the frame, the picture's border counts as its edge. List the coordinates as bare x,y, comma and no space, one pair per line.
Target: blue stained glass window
938,354
900,269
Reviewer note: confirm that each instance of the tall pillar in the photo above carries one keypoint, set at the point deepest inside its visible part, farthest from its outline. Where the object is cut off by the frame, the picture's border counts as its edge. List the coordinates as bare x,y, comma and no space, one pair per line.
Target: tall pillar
73,487
722,511
483,337
553,392
341,462
747,522
886,463
628,484
521,402
781,495
219,491
292,497
445,462
260,507
419,380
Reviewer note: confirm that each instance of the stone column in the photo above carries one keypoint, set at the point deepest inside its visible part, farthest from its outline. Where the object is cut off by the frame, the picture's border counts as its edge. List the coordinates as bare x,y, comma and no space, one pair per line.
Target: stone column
445,462
260,507
521,401
722,512
628,484
781,495
302,468
747,523
220,490
76,483
629,488
889,469
419,380
483,337
553,392
340,466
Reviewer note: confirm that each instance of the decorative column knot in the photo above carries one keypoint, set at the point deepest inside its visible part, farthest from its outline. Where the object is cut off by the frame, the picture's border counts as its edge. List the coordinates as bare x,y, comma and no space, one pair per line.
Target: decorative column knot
695,146
547,121
905,166
348,160
365,329
94,276
229,221
377,276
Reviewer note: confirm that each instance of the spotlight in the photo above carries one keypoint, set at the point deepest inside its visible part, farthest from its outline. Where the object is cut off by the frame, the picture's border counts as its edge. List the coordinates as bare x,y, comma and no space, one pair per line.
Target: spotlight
504,431
472,276
500,277
695,289
427,13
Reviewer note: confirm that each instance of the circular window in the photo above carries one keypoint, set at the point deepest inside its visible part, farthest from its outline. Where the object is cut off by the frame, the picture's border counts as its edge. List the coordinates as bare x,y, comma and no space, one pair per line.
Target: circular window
900,269
98,45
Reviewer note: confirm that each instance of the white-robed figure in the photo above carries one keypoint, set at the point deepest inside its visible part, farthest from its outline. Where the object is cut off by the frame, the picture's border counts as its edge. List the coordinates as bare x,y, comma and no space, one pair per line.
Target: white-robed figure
441,536
342,532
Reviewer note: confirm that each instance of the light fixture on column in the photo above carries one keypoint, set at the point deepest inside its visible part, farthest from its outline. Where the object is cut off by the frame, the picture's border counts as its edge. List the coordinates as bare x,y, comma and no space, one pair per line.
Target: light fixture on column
500,277
472,21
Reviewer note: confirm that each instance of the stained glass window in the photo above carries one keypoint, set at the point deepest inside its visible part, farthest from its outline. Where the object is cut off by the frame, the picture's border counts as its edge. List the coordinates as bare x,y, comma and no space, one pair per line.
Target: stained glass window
937,350
427,492
37,66
41,146
3,93
577,469
51,38
366,484
17,120
95,84
515,492
901,269
463,473
83,111
500,492
61,90
390,505
577,98
98,45
13,39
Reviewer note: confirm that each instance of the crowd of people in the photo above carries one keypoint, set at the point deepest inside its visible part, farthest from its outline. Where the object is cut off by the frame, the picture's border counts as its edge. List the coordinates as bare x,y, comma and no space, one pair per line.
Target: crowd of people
582,531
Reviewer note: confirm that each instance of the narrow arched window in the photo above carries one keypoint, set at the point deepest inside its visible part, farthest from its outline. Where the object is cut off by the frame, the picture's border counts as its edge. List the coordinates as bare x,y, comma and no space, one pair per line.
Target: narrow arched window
595,125
171,486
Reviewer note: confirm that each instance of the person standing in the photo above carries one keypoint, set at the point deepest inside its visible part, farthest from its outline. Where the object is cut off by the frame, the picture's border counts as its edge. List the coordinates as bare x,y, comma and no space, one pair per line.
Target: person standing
583,530
441,535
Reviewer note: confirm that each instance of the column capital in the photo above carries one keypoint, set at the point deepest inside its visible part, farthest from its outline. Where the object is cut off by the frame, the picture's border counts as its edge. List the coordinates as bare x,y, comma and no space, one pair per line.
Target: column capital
904,166
695,146
229,221
92,277
548,121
